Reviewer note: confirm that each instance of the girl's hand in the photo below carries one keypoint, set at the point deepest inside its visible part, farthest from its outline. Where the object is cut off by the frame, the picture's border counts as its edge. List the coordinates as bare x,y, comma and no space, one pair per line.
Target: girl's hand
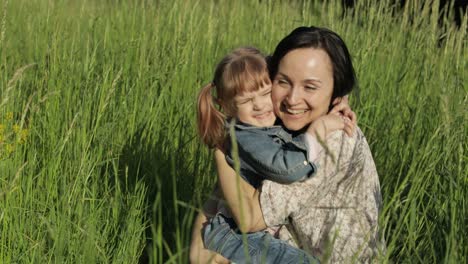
341,105
326,124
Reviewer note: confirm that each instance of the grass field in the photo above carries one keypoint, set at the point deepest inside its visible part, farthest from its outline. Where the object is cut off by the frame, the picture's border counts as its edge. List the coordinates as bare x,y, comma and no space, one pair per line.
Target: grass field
99,160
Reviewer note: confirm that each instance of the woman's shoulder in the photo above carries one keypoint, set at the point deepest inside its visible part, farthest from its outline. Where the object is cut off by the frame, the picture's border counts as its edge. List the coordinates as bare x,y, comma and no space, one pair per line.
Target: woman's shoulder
340,137
340,144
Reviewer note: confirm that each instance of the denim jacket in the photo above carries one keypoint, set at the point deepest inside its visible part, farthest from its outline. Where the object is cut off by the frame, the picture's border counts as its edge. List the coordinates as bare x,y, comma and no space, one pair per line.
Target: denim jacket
269,153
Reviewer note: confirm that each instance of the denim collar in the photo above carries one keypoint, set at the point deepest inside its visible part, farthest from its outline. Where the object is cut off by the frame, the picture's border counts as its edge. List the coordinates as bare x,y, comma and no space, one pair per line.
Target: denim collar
244,126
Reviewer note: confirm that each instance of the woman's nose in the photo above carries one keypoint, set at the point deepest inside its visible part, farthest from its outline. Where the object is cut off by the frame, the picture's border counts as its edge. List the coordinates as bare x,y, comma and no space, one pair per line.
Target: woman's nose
293,97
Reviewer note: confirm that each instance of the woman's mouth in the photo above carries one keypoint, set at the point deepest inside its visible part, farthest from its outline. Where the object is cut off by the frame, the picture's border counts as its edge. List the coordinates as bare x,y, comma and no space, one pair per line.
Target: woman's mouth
295,111
291,111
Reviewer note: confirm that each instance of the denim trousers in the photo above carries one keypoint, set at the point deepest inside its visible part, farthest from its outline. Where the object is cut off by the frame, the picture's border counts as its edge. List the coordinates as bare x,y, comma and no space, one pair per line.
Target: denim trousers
222,236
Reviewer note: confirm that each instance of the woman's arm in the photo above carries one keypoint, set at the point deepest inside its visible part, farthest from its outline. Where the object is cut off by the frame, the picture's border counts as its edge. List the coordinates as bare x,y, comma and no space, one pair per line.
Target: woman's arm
198,253
278,201
242,198
344,198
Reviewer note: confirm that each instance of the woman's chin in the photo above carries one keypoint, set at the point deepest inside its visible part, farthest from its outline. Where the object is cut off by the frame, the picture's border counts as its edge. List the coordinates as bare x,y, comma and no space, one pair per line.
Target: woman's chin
294,124
297,122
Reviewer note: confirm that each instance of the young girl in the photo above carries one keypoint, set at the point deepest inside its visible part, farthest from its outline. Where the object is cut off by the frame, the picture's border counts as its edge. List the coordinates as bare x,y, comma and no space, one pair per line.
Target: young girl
245,118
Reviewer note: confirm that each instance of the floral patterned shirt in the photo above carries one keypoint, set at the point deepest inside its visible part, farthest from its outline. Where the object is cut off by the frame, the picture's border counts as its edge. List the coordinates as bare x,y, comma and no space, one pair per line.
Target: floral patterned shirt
334,214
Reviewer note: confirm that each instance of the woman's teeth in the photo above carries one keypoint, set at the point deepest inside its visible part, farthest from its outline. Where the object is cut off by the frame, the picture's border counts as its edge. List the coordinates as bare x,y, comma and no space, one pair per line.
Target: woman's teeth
295,112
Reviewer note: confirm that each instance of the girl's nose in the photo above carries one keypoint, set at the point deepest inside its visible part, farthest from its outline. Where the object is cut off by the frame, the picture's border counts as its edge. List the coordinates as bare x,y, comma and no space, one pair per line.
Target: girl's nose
258,103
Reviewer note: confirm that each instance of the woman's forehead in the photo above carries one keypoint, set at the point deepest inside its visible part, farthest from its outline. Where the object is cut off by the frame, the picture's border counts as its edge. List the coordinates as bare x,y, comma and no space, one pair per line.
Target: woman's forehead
306,64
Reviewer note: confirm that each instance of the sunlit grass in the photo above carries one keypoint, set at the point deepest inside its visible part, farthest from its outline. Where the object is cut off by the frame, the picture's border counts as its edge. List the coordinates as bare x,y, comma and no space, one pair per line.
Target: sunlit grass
111,169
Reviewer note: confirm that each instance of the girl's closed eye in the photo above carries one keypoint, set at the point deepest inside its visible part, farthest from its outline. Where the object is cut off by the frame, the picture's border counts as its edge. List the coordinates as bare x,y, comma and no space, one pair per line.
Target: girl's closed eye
267,93
243,101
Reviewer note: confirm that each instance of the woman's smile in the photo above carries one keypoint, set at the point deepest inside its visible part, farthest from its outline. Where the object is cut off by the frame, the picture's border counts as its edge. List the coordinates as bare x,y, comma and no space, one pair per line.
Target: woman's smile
294,115
292,111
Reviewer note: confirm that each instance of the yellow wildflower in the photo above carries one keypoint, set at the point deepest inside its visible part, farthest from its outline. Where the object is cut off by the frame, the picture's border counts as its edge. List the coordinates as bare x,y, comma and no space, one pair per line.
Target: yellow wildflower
9,148
16,128
22,136
9,116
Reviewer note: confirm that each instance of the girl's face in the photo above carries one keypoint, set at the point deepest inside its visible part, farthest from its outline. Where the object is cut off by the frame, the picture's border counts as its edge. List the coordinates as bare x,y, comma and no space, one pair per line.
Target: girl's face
303,87
255,108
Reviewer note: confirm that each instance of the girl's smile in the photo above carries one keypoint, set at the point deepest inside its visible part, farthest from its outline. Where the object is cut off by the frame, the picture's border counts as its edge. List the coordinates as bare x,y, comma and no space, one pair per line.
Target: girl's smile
256,108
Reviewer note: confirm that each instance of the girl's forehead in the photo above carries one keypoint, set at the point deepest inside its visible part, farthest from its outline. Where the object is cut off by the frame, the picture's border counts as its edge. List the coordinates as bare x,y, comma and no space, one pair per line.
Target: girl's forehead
262,89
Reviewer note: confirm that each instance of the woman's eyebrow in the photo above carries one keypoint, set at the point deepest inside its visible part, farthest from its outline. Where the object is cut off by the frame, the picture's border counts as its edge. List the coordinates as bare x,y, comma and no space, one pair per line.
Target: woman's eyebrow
284,76
313,80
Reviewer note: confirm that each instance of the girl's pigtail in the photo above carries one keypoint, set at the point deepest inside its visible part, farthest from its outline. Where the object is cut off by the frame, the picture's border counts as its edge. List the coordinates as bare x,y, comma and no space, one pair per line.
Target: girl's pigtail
210,120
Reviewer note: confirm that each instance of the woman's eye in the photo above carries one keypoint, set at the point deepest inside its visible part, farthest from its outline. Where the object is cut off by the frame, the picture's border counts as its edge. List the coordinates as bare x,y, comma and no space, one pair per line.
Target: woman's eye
283,83
311,87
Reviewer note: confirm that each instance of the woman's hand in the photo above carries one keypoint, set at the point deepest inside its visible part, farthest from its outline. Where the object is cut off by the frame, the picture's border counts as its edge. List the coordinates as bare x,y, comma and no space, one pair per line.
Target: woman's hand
341,106
326,124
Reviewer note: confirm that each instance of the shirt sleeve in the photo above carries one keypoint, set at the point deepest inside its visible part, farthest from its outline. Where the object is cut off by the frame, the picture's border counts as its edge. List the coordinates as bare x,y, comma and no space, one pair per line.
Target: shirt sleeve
277,203
280,201
275,160
313,147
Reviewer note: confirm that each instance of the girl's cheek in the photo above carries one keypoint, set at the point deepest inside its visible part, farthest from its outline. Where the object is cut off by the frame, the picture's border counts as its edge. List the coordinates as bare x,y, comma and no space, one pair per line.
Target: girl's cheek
268,101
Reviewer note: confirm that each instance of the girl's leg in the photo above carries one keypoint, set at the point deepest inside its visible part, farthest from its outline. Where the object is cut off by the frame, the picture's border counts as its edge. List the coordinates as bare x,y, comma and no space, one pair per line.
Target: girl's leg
198,253
220,235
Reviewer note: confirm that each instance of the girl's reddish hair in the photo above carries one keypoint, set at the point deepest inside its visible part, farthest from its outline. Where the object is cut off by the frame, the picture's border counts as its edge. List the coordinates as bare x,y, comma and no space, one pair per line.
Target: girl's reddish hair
243,70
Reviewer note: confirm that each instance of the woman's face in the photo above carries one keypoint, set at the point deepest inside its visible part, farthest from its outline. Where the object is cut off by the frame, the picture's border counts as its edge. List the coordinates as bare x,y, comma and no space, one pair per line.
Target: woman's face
303,87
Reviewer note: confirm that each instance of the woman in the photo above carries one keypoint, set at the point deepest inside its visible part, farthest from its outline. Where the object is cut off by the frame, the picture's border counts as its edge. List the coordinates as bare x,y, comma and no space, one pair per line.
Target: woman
332,215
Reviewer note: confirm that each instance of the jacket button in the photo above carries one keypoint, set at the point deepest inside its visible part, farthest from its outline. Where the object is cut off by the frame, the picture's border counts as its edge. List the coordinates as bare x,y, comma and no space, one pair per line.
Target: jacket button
305,162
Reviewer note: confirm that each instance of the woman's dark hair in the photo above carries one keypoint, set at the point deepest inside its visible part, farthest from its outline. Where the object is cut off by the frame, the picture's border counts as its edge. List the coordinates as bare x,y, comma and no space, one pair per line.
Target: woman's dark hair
344,78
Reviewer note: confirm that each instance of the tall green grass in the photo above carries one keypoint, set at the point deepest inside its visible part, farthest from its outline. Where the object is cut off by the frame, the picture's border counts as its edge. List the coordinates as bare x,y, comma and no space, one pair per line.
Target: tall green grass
111,169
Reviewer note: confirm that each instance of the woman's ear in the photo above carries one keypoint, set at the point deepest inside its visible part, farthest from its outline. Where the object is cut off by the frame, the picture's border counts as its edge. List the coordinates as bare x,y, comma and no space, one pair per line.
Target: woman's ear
337,100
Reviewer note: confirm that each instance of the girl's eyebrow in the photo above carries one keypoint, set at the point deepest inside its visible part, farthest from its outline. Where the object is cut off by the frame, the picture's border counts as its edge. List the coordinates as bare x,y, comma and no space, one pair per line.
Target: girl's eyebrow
243,98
